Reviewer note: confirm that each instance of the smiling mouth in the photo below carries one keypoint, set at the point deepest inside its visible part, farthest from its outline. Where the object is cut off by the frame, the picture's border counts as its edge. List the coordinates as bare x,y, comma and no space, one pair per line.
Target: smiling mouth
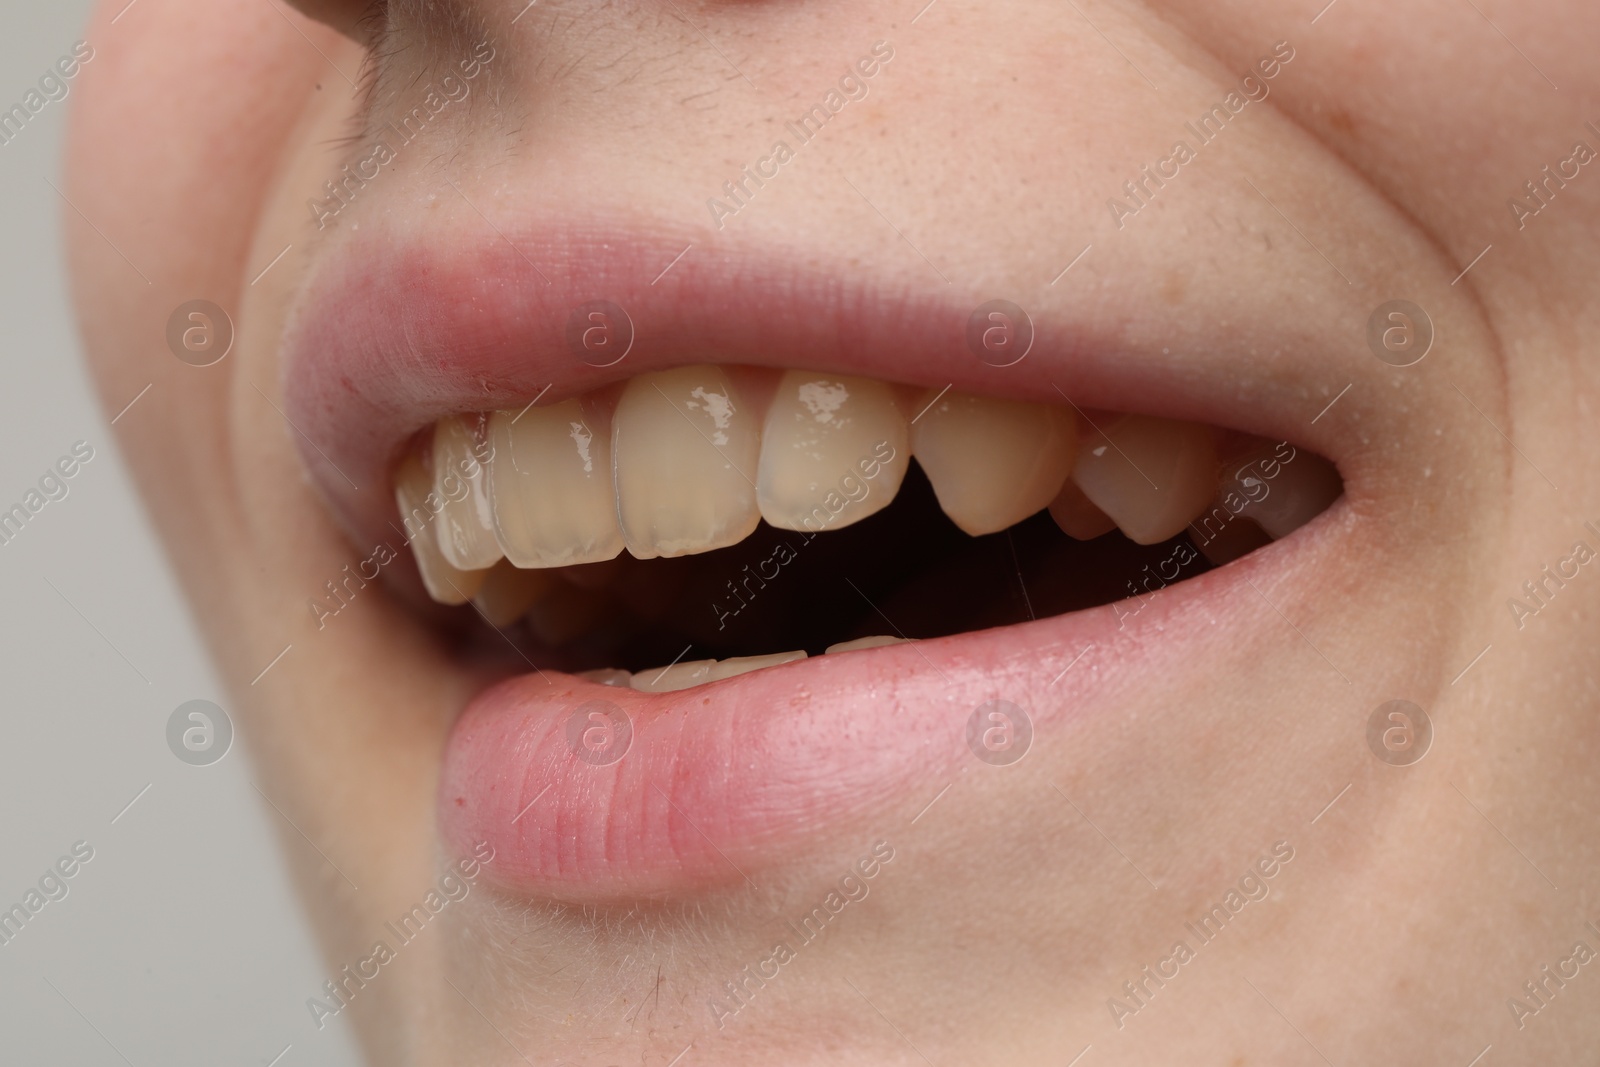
801,508
690,525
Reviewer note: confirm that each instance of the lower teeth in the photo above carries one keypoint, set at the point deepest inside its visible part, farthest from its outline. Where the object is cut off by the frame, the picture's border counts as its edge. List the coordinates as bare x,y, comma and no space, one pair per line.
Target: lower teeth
677,676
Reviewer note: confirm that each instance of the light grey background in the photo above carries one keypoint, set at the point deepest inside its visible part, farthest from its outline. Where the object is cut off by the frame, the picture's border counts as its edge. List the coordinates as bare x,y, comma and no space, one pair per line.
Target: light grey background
180,942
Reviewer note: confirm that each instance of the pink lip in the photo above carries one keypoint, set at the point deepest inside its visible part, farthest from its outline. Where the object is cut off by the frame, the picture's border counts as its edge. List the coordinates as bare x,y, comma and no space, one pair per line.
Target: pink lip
724,781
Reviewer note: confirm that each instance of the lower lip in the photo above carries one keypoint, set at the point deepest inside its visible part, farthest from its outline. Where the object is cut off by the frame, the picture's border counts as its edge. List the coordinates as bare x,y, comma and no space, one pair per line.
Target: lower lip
724,782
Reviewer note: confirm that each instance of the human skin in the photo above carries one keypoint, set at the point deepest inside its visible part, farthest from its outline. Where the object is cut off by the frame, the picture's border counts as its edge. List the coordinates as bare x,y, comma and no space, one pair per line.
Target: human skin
1379,168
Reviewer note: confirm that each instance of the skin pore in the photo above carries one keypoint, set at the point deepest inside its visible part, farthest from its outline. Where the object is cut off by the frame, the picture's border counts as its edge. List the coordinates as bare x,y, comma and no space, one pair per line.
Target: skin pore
981,160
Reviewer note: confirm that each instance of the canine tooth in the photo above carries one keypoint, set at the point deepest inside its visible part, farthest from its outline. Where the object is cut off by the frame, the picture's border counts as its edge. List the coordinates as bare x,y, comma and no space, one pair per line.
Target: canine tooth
550,484
413,492
1077,516
1285,492
608,676
833,451
1150,475
685,454
677,676
730,668
508,592
993,462
863,642
465,525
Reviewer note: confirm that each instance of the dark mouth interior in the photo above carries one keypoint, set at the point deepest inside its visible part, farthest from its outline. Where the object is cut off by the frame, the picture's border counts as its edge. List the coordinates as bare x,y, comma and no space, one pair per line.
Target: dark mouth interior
906,571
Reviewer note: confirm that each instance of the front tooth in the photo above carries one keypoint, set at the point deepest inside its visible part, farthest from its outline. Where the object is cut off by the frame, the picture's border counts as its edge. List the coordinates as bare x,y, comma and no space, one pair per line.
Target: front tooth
833,451
419,504
993,462
1077,516
677,676
508,592
1150,475
685,453
730,668
465,525
1285,492
550,483
864,642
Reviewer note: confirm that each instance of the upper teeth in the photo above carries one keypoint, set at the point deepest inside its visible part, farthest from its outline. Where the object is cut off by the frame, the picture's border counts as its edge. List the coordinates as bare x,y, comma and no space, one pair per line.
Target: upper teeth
689,460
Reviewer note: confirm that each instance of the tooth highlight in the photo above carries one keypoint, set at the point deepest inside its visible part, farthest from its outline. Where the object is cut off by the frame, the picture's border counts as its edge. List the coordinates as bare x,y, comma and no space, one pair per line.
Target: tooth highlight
1077,516
677,676
730,668
863,642
465,525
508,592
608,676
418,503
993,462
550,482
1150,475
829,437
685,452
1304,486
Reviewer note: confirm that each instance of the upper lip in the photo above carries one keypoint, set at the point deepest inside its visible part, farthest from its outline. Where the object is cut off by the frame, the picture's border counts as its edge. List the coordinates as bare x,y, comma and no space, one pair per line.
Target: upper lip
392,334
